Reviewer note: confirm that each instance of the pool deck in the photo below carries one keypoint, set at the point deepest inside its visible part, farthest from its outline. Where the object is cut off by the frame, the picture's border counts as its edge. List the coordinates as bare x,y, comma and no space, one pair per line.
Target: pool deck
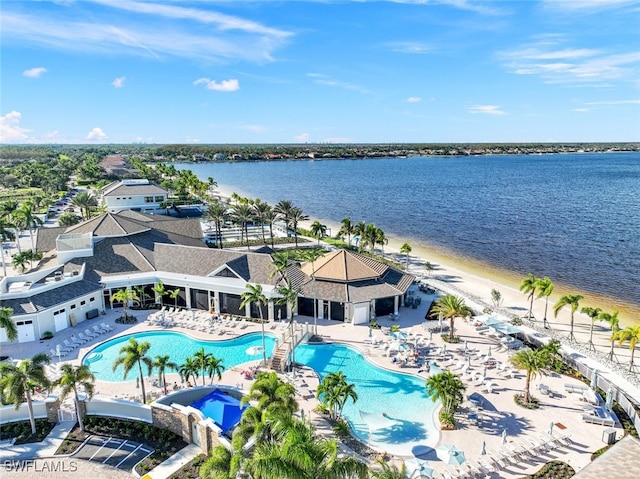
487,424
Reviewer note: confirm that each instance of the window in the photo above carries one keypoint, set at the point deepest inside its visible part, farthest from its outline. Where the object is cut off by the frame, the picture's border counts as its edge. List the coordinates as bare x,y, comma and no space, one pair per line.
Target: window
73,306
82,303
92,299
148,199
159,199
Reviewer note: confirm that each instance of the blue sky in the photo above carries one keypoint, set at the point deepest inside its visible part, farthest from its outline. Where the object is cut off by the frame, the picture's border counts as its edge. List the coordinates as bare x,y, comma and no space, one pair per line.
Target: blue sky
236,71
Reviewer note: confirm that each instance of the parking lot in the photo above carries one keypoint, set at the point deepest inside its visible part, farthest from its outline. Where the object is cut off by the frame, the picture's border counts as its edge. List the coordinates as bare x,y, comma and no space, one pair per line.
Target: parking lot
120,453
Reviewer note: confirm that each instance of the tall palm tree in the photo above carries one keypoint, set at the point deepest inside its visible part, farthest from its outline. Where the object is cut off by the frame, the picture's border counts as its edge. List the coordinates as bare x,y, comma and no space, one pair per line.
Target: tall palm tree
533,362
6,322
160,291
448,388
202,358
451,307
284,208
18,382
631,334
334,392
318,230
370,236
161,364
217,465
358,230
218,213
280,261
405,249
189,369
74,377
545,288
289,296
173,294
389,471
123,296
614,323
346,228
297,216
243,214
381,239
573,301
254,294
529,286
133,354
260,209
298,453
214,368
271,216
26,217
86,202
594,314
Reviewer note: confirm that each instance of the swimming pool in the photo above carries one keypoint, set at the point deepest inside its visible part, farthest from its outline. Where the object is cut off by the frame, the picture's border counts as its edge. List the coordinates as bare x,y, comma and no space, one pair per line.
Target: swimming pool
401,397
179,347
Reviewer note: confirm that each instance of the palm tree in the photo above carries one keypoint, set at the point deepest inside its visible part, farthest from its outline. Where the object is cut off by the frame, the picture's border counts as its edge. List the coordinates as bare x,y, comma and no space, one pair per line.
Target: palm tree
296,217
529,286
243,214
451,307
254,294
545,288
284,209
17,383
6,322
85,201
214,368
533,362
448,388
389,471
260,209
19,262
346,228
594,314
289,296
380,239
358,230
217,465
280,262
160,291
405,249
271,216
140,291
123,296
334,392
318,230
573,301
218,213
173,294
131,354
631,334
298,453
25,216
311,255
614,323
270,393
201,358
370,236
429,267
188,369
74,377
161,364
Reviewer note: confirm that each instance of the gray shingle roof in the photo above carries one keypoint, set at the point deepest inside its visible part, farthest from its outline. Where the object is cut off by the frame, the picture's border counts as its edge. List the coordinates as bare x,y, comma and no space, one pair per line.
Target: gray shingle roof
108,225
48,299
126,190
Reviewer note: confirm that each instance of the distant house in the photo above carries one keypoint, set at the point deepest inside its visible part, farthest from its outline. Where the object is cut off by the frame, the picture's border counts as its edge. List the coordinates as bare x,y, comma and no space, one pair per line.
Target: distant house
136,195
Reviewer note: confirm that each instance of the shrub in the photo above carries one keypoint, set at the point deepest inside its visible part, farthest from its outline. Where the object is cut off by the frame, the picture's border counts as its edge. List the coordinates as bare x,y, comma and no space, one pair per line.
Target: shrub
533,403
447,419
47,335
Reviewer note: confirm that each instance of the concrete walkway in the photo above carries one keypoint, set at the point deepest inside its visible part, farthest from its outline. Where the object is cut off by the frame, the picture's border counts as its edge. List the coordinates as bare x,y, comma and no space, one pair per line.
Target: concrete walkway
33,450
174,463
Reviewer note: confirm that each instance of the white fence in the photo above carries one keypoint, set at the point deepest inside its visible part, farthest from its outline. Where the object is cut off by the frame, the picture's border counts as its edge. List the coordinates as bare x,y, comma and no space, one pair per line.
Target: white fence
120,409
9,413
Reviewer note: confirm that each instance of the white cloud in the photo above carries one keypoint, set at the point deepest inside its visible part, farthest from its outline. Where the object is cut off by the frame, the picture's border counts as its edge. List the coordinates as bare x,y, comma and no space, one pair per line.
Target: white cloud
324,80
96,134
586,5
34,72
10,130
486,109
614,102
555,63
150,30
302,138
225,85
118,82
413,99
410,47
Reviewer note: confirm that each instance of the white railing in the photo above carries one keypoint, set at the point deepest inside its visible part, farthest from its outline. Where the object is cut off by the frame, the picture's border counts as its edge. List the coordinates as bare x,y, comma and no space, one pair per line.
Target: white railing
10,414
119,408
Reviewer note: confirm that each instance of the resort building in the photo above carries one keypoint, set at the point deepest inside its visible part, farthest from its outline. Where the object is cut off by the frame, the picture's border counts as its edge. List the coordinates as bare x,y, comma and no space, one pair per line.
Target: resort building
165,260
136,195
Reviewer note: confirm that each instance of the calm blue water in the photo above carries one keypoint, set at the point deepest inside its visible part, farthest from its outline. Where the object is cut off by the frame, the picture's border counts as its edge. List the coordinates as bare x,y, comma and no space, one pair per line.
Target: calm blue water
179,347
402,397
572,217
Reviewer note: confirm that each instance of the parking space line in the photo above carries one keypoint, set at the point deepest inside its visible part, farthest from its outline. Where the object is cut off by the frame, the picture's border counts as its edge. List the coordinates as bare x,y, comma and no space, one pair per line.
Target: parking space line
116,450
130,454
104,443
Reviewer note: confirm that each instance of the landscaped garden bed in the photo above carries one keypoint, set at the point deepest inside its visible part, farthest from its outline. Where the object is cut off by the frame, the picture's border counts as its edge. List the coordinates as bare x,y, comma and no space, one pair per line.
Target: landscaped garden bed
21,431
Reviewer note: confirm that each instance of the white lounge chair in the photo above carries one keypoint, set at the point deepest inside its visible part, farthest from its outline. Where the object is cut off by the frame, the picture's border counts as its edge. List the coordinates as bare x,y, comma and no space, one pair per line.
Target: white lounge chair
106,327
98,330
69,345
77,340
91,334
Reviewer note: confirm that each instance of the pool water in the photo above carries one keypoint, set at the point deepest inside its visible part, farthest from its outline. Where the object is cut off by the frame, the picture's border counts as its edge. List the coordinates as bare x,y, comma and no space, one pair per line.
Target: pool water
222,408
179,347
401,397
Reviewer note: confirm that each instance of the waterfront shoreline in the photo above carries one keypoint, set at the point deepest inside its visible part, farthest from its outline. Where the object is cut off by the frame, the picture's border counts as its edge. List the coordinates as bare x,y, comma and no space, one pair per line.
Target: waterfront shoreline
477,278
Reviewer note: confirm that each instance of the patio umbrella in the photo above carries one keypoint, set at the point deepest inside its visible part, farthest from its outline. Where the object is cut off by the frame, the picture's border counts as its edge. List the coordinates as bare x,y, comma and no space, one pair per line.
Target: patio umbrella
450,454
504,436
58,352
430,336
484,371
418,469
483,448
489,353
609,400
550,431
466,346
594,379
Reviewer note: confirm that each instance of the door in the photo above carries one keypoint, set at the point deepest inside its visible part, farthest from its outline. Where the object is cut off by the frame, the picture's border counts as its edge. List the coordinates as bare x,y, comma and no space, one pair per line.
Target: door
195,437
26,331
60,321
